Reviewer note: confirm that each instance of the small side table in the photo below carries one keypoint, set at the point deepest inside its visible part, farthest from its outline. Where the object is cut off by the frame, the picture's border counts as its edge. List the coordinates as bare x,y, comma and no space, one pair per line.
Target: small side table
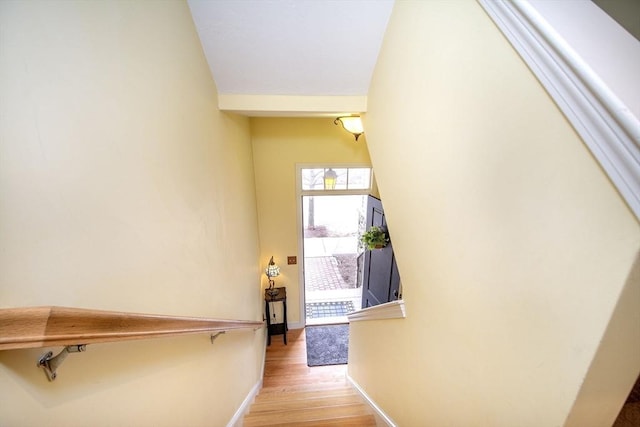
276,328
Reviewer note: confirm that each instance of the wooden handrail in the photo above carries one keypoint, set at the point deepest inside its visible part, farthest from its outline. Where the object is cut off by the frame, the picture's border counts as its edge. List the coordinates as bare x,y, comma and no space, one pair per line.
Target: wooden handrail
31,327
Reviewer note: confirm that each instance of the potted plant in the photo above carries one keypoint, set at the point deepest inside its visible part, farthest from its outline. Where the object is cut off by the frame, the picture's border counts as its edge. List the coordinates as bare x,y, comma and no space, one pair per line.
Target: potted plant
374,238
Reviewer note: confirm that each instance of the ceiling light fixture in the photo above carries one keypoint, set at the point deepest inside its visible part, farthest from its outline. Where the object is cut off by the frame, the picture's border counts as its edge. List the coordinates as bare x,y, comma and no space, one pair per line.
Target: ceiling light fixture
351,124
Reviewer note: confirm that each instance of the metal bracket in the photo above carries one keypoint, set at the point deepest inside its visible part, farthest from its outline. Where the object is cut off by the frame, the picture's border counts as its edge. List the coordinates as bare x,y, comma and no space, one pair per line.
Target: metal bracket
213,337
51,363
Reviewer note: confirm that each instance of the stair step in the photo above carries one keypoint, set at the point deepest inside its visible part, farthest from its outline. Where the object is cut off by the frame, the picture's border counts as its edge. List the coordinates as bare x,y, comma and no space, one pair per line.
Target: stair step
276,367
294,388
308,403
355,421
326,413
292,381
287,381
265,396
272,369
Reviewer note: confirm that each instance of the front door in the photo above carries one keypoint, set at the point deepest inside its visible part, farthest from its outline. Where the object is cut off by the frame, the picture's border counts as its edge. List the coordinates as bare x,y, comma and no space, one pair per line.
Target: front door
381,280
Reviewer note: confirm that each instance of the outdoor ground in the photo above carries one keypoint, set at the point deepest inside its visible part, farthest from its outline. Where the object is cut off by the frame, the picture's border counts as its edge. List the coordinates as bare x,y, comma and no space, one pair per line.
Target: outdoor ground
331,233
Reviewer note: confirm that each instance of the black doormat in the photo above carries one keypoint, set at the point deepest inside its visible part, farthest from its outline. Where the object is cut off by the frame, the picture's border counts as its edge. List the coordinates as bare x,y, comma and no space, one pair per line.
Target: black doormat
319,310
327,344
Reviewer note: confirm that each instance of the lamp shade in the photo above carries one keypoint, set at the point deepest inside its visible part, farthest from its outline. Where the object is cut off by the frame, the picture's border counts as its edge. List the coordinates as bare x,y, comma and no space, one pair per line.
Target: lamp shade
352,124
272,269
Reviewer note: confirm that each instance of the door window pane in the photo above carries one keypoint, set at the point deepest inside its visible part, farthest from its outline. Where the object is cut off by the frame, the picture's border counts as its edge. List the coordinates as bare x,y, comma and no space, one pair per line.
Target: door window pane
313,179
359,178
341,183
336,179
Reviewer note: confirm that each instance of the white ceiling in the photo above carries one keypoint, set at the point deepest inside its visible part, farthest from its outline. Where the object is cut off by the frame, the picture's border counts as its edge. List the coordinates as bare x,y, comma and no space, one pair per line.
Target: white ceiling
291,47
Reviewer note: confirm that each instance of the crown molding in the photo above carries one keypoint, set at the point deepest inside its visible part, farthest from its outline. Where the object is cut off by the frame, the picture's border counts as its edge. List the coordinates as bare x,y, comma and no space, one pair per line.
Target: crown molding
605,124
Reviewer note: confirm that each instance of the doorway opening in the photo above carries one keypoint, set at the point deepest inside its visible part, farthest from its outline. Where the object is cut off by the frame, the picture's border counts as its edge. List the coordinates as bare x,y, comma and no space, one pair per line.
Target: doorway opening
333,256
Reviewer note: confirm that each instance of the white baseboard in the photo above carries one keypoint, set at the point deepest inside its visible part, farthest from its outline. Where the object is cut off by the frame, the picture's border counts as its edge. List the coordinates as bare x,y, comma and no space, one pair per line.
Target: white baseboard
236,420
296,325
379,413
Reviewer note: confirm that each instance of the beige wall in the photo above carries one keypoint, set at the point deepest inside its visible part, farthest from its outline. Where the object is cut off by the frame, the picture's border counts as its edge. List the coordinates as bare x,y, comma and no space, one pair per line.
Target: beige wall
513,246
278,145
123,188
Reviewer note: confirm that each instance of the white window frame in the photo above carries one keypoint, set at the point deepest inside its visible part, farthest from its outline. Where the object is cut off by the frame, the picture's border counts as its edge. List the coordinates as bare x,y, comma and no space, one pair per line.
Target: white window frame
299,194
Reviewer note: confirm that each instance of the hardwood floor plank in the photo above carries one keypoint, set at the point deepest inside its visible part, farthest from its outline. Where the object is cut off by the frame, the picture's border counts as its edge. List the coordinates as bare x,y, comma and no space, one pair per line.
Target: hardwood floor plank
303,388
306,403
294,394
275,396
355,421
305,414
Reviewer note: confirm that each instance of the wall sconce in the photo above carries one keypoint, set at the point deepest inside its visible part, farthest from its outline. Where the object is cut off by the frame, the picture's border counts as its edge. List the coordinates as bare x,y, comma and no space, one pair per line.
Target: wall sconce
351,124
330,178
271,271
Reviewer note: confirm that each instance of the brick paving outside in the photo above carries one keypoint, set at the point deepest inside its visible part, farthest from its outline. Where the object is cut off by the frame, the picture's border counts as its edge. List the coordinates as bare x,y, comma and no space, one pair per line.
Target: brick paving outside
322,274
330,279
328,293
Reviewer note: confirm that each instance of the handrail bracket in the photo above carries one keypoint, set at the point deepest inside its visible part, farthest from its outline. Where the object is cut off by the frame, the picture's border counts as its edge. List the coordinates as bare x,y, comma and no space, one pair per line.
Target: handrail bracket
51,363
214,336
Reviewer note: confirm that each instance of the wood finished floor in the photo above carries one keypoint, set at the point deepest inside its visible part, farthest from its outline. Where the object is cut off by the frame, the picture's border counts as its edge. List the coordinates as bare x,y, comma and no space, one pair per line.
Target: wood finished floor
294,394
